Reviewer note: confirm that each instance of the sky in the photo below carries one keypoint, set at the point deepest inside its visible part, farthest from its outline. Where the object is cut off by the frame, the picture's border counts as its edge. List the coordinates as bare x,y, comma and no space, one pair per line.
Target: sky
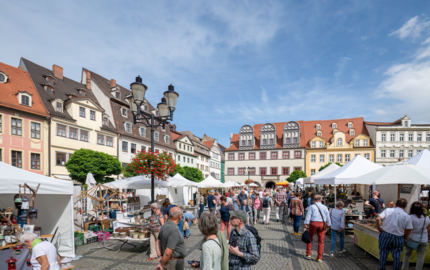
239,62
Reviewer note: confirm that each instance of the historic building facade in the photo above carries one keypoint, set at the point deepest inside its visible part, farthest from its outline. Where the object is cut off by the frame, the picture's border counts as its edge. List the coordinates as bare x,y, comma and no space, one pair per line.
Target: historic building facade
202,153
398,140
24,128
338,140
185,147
265,153
215,160
77,119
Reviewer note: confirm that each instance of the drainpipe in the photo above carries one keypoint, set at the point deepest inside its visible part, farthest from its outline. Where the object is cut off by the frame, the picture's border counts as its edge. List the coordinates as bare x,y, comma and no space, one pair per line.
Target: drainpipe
49,145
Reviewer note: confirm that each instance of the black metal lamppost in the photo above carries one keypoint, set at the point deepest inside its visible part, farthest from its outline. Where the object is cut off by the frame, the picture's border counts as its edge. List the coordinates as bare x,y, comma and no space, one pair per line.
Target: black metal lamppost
165,109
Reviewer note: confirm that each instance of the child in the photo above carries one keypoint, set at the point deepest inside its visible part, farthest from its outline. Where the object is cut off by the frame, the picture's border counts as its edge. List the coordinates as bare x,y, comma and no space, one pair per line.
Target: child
247,210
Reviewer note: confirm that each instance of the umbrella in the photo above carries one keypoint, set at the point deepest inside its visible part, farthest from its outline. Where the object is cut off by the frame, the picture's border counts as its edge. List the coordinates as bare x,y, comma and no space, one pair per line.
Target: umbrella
253,185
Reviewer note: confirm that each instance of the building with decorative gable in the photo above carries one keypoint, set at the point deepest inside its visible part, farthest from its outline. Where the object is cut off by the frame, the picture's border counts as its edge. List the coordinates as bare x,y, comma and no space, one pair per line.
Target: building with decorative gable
215,160
202,152
185,147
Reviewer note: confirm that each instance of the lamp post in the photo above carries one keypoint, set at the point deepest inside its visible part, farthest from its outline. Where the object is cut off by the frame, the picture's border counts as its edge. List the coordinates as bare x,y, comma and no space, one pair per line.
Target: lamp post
165,108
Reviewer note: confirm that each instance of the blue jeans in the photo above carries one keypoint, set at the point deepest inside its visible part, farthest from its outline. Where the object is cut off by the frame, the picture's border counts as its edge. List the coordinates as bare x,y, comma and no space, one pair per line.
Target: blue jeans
187,232
334,235
296,222
202,208
181,225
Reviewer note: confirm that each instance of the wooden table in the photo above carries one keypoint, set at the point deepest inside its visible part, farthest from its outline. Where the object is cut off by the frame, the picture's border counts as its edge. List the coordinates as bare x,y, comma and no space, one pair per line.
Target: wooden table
8,246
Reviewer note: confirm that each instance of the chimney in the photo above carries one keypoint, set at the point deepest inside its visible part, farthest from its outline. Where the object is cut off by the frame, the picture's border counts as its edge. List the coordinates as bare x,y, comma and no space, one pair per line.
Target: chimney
58,72
112,83
88,80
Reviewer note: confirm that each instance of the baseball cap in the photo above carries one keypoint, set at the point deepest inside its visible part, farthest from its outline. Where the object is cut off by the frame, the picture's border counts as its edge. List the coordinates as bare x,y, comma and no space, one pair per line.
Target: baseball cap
212,191
239,214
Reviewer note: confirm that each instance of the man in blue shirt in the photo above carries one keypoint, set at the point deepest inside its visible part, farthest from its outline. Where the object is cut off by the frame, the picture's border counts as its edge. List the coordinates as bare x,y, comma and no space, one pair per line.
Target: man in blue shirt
315,219
242,196
212,203
188,218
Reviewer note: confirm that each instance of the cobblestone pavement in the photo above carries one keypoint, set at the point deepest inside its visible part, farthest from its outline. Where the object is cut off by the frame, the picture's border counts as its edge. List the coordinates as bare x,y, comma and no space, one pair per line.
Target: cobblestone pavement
281,249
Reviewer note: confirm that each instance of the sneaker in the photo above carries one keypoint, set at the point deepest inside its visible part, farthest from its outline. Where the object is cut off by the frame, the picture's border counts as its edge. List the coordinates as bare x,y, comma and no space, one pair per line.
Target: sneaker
307,257
342,251
319,261
277,220
331,253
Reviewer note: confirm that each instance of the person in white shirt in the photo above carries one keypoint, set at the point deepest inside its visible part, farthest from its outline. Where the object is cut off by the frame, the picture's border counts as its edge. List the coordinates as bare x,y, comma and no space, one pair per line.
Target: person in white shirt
337,217
315,219
419,234
394,232
43,254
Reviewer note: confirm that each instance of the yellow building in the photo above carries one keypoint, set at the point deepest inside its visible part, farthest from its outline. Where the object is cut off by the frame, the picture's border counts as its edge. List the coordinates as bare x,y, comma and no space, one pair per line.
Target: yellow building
337,140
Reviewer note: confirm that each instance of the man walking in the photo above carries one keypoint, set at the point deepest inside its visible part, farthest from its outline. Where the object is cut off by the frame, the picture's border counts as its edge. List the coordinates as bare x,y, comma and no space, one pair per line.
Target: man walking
280,198
243,244
212,203
316,218
171,243
242,196
394,232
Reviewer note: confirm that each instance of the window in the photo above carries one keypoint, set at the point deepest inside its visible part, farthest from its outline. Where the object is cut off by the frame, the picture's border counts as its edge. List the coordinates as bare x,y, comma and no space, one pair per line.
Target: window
392,137
286,154
1,156
49,89
319,133
313,144
349,125
321,144
241,171
35,130
357,143
125,147
322,158
105,121
59,107
274,171
274,155
365,142
262,171
142,148
351,132
109,141
124,112
84,135
271,141
287,140
339,158
297,168
297,154
251,156
419,151
285,171
406,123
295,140
49,80
402,137
383,153
167,141
331,158
16,126
347,157
411,137
313,158
318,127
264,141
180,146
383,137
25,100
312,171
156,136
427,136
133,148
82,112
73,133
2,78
100,139
339,142
127,127
61,158
400,153
334,126
249,142
241,156
243,142
117,95
230,171
392,152
61,130
366,156
410,153
230,156
93,115
17,159
357,154
251,171
263,155
35,161
418,137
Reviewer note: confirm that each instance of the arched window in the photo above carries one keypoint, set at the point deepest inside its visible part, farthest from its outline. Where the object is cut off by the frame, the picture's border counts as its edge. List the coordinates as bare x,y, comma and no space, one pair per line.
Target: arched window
339,142
246,137
291,135
2,78
334,125
268,136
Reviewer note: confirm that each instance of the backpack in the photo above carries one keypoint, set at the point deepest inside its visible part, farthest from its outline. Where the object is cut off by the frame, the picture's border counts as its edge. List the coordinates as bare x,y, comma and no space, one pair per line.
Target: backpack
254,231
305,203
265,203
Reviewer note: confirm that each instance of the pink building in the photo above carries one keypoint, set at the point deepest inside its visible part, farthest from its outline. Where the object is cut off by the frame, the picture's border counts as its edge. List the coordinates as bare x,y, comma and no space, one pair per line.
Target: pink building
24,128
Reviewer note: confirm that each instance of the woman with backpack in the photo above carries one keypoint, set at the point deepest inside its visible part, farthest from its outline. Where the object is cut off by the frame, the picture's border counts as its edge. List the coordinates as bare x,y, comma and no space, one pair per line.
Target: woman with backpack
266,206
297,212
257,207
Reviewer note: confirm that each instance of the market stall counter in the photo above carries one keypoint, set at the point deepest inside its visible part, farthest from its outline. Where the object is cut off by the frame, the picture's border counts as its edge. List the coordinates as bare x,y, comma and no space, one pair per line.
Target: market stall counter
366,236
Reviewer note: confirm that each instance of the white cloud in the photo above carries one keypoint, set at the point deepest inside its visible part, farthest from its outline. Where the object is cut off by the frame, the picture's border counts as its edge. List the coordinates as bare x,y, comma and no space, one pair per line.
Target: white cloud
413,28
341,65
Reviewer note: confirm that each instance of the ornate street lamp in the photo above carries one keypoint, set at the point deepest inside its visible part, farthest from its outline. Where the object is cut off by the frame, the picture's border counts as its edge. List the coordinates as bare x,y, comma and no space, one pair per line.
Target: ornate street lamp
165,109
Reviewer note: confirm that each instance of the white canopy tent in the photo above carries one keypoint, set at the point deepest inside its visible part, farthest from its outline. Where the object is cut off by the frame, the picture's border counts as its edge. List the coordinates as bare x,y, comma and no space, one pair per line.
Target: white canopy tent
299,181
230,184
331,168
253,185
421,159
54,200
137,182
210,182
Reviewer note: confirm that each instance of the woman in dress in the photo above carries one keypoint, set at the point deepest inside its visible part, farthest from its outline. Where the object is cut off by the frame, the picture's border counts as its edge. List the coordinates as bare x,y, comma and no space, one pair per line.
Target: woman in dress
156,221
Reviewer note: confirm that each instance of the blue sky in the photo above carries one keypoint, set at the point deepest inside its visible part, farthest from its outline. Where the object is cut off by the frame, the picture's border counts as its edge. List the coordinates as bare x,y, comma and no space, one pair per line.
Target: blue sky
239,62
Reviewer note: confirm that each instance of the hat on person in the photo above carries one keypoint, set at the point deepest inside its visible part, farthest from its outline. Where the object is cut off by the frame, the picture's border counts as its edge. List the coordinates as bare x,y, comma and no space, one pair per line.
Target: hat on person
239,214
212,191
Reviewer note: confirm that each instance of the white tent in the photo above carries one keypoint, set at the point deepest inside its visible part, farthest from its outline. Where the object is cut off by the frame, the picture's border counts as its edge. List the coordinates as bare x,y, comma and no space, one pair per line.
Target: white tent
331,168
91,182
229,184
180,181
253,185
137,182
355,168
210,182
54,200
421,159
299,181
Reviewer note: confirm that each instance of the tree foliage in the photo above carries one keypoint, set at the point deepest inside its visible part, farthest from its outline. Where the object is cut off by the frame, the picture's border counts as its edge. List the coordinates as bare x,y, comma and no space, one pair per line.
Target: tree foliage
179,169
328,164
296,175
146,163
193,174
100,164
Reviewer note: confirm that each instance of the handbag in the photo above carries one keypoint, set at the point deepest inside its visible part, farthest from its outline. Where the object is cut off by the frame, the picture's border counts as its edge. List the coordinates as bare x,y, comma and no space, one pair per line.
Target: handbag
185,226
306,238
412,244
324,223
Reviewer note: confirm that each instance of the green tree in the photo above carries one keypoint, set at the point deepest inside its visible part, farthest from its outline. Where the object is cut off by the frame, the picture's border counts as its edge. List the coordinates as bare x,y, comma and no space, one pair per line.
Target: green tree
328,164
100,164
179,169
193,174
296,175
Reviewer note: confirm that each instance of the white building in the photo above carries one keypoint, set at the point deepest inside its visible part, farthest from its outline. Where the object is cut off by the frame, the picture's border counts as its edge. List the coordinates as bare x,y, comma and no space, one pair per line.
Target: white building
399,140
185,155
215,160
202,151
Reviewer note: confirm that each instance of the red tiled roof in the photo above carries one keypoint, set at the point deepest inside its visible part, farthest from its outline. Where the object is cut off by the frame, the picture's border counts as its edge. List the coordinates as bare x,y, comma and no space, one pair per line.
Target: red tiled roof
19,81
398,121
209,143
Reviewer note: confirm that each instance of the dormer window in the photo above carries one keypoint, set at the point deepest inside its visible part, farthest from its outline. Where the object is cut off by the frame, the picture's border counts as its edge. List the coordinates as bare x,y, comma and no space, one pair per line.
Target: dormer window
105,121
145,108
319,133
318,126
124,112
117,95
352,132
59,107
339,142
24,98
3,77
405,124
50,80
334,126
349,124
128,127
49,89
83,92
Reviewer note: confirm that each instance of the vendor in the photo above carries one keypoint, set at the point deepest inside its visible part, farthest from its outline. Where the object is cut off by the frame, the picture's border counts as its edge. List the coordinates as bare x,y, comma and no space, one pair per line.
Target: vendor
43,254
376,203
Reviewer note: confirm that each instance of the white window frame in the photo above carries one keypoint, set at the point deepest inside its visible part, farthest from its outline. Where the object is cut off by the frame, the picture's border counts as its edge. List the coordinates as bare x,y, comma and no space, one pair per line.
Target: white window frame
321,144
357,143
383,137
313,144
140,131
322,158
124,108
347,157
5,77
331,158
383,153
366,142
401,153
125,127
313,158
392,137
339,142
392,153
156,136
367,156
30,100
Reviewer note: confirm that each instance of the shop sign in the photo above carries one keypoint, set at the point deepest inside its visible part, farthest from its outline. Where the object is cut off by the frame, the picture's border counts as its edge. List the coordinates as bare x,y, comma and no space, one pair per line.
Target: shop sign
406,188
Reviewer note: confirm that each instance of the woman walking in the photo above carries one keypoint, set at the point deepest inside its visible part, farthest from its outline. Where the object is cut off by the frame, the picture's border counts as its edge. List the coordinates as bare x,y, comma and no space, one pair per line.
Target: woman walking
156,221
257,207
266,206
225,216
337,217
297,212
419,234
202,204
290,217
